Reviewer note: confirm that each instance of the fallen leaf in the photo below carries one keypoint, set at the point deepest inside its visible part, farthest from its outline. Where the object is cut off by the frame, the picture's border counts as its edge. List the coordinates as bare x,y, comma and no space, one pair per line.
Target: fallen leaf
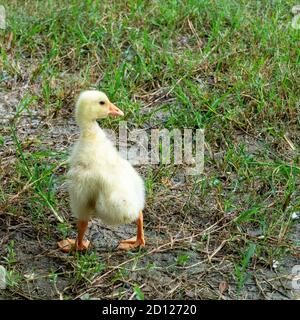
223,286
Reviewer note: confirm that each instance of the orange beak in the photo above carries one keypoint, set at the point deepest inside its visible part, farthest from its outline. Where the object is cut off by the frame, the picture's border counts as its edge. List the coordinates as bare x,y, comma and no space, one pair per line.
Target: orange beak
114,111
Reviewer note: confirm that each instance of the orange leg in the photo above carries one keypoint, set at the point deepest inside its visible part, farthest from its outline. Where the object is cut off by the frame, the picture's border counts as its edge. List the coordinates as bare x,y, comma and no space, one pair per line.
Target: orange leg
79,244
139,240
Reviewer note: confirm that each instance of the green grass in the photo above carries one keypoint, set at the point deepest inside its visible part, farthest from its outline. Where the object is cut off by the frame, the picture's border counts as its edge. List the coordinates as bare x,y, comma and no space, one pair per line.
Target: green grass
230,67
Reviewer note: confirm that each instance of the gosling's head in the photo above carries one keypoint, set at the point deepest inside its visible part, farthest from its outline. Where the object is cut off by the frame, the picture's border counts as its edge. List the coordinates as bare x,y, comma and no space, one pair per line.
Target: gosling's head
92,105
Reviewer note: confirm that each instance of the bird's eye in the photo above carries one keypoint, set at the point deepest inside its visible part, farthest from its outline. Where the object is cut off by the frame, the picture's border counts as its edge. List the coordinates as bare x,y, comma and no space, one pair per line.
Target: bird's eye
102,103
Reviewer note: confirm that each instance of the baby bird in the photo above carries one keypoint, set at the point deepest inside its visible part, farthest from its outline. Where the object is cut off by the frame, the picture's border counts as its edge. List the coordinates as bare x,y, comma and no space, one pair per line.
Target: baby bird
101,183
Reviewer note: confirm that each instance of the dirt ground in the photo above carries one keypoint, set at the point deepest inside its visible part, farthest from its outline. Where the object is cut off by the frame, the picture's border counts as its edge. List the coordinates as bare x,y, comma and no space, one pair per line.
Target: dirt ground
187,255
